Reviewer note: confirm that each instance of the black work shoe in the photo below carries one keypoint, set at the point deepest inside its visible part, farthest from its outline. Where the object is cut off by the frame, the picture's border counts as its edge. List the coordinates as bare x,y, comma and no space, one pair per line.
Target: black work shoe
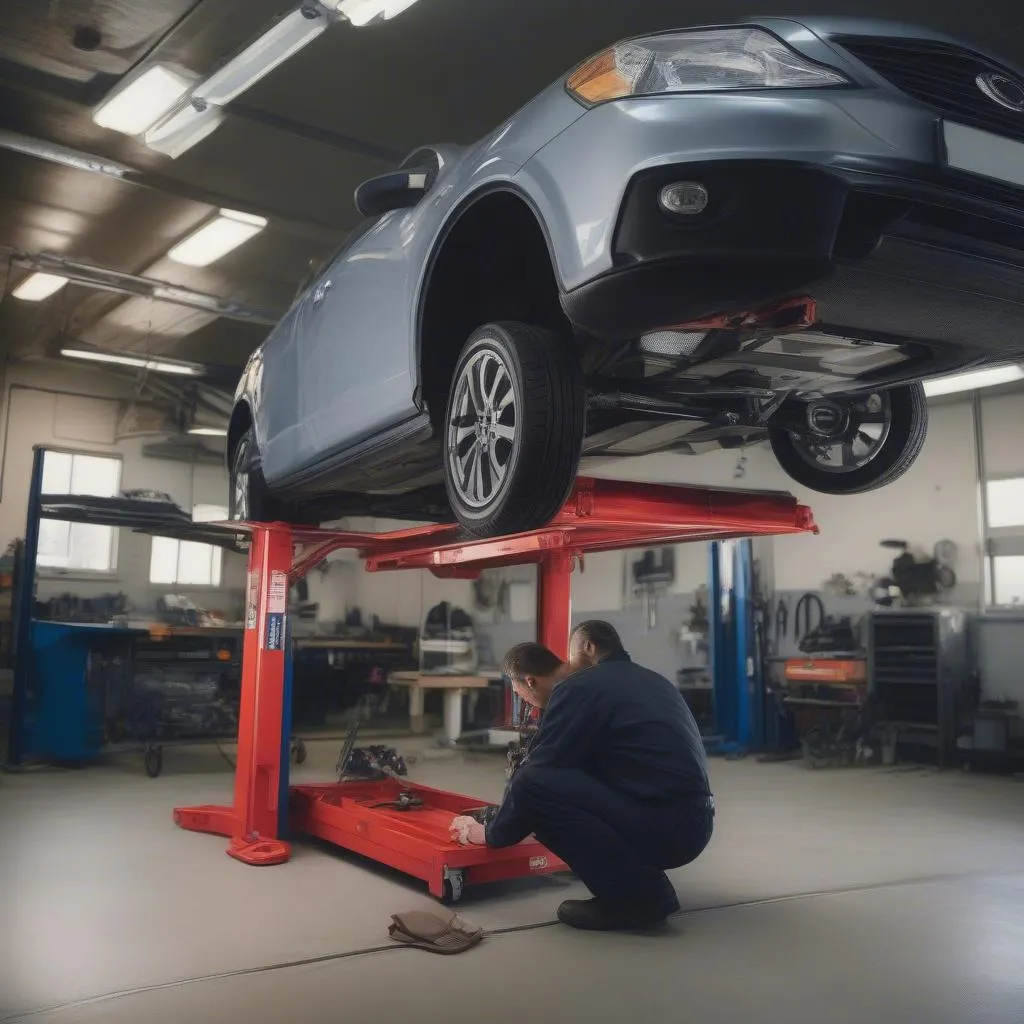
597,916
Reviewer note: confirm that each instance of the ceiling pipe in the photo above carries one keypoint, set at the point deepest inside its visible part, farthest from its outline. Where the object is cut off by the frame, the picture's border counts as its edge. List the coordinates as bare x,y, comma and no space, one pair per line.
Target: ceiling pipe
104,279
65,156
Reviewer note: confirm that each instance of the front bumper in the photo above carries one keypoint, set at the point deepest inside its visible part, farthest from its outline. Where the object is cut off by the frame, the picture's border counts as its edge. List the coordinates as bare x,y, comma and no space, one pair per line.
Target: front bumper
872,140
799,186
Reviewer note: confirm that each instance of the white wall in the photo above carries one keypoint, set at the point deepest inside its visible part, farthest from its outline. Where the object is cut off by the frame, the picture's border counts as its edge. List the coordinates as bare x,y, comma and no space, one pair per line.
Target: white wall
54,407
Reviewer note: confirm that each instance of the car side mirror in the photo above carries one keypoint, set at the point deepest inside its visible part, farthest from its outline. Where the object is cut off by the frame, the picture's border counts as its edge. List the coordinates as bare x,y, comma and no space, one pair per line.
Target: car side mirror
393,191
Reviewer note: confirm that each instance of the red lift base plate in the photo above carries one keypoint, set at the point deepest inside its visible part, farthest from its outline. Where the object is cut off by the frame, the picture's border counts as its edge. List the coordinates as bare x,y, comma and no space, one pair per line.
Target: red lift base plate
413,841
259,852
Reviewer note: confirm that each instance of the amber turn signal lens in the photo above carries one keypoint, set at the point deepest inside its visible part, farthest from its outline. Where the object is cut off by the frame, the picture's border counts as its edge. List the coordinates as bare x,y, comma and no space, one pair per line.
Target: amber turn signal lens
600,79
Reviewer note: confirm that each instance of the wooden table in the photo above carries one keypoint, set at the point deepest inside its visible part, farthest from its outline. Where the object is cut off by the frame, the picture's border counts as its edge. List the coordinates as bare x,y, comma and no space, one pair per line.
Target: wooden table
454,688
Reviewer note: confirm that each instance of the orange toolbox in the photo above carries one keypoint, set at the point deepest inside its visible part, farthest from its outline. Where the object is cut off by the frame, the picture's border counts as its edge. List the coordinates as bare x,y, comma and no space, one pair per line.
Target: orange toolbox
826,670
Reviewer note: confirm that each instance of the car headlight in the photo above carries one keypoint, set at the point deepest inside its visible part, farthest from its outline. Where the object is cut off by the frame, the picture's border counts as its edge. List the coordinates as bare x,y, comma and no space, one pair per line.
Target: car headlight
705,60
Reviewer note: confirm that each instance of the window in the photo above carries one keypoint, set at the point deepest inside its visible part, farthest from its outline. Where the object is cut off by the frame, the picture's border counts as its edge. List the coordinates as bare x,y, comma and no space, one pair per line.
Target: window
79,547
184,562
1004,499
1008,579
1005,502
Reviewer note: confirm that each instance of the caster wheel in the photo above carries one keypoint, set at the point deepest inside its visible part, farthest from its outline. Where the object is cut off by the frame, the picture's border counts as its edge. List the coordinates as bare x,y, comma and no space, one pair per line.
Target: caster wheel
299,751
153,759
454,882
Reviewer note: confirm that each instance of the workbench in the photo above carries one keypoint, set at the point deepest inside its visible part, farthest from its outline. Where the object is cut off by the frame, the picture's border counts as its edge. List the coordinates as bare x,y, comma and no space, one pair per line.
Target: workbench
454,689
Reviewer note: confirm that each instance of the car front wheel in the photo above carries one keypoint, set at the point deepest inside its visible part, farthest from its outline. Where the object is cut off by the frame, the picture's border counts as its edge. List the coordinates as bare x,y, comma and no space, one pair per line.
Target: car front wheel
864,441
513,429
248,497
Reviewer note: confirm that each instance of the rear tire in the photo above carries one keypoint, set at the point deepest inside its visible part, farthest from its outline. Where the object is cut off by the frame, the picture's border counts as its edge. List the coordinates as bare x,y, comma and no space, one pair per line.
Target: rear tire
905,428
514,429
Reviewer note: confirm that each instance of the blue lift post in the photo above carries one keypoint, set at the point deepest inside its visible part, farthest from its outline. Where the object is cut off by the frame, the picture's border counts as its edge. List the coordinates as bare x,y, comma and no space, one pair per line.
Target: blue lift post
23,599
731,611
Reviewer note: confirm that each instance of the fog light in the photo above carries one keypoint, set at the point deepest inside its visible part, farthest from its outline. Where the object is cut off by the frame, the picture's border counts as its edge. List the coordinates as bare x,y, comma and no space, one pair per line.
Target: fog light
687,198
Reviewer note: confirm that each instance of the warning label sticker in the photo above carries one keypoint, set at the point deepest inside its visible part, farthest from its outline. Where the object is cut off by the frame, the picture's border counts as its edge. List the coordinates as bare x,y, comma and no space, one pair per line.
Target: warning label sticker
252,588
277,597
274,640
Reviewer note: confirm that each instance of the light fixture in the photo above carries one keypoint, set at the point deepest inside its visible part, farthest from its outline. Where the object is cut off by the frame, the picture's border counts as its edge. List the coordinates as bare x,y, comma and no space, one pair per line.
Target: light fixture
39,286
972,380
362,12
183,128
138,362
141,101
228,230
260,57
209,431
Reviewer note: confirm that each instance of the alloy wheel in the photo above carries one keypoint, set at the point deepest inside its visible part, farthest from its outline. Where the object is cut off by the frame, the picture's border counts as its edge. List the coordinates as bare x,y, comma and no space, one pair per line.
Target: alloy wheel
870,420
482,432
241,487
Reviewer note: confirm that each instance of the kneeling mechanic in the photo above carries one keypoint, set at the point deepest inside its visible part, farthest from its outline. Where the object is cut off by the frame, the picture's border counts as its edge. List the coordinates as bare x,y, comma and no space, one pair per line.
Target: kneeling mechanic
615,781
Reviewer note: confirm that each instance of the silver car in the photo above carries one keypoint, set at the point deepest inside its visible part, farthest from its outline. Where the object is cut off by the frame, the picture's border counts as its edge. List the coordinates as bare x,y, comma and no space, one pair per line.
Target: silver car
701,238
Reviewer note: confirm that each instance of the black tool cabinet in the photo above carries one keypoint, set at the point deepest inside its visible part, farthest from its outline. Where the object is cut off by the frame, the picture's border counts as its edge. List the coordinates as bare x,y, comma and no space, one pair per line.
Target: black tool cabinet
921,685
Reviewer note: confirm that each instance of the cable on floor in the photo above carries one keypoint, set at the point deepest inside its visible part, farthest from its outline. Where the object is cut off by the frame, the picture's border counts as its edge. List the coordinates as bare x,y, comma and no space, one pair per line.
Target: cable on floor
240,972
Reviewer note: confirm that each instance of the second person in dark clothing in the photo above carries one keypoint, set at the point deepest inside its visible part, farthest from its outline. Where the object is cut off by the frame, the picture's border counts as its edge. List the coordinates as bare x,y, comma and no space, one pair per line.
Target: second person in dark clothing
615,781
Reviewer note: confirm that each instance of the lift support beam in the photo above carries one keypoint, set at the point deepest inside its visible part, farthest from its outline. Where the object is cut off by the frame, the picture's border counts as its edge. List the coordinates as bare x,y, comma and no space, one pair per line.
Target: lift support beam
600,515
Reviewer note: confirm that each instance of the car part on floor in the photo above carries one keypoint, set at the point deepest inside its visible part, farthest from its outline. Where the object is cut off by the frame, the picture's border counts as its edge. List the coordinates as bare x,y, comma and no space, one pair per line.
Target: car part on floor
600,515
514,428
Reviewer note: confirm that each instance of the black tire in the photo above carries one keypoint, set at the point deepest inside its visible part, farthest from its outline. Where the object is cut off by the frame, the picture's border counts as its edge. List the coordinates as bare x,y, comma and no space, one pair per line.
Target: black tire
261,507
299,752
153,760
908,426
541,459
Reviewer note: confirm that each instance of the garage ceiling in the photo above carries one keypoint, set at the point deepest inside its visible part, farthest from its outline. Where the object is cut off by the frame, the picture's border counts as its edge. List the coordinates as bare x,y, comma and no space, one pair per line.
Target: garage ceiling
293,147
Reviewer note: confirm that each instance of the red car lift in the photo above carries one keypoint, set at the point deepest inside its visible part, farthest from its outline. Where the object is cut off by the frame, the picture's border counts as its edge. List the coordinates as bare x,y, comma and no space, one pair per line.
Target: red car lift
368,817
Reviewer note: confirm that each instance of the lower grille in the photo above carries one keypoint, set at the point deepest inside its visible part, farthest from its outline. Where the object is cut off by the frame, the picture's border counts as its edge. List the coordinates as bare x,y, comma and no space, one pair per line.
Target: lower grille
942,76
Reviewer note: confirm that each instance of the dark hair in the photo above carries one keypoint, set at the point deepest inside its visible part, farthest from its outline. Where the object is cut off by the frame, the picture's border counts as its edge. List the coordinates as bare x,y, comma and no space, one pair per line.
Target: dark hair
601,634
530,659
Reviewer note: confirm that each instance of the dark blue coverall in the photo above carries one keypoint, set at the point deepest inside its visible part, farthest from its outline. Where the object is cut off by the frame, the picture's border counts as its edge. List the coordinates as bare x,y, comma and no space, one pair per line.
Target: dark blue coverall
615,783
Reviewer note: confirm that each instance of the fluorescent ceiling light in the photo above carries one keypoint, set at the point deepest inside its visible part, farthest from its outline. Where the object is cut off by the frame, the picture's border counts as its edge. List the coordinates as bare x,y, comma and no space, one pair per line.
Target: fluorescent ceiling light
140,102
209,431
183,129
228,230
972,380
362,12
39,286
259,58
139,362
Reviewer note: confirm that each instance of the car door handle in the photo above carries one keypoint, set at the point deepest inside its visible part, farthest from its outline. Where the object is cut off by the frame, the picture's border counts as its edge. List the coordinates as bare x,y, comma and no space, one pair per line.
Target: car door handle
321,292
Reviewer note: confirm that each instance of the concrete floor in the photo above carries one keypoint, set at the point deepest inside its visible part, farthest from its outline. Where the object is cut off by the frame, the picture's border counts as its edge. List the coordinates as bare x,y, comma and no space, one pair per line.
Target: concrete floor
836,895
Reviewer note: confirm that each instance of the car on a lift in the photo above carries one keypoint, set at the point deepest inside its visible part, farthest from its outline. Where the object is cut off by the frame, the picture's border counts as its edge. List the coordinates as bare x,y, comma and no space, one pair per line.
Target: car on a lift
703,238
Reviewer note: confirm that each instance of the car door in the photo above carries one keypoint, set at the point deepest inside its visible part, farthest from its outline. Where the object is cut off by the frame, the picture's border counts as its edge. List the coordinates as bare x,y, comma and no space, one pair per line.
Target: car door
356,377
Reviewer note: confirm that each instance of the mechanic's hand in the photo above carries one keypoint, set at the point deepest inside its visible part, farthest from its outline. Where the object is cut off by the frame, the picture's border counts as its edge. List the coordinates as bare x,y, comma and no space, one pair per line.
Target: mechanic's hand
467,831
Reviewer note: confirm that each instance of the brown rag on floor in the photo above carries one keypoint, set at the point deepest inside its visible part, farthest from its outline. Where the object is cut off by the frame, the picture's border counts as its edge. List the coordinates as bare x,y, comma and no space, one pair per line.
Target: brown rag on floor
439,933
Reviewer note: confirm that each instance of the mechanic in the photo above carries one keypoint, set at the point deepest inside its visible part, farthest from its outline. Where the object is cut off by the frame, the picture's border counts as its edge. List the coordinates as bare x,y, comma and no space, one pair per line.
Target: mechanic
615,781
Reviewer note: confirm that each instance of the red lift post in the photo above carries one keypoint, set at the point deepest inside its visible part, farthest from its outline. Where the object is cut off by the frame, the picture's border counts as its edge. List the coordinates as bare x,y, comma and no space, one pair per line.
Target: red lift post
367,818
